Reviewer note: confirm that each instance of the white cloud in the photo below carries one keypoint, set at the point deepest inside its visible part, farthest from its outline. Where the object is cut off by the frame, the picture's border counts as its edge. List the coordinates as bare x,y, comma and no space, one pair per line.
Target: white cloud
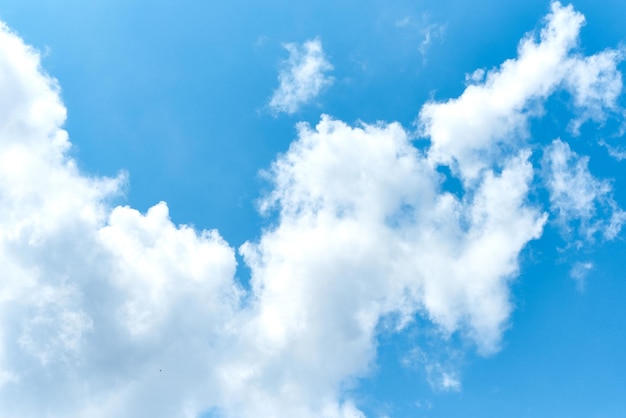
596,84
94,302
302,77
389,237
577,197
105,311
473,131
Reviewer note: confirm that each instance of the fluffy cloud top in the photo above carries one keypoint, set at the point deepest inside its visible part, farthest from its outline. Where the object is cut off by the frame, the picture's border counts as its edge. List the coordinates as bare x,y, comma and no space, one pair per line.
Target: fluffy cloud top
302,77
105,311
473,131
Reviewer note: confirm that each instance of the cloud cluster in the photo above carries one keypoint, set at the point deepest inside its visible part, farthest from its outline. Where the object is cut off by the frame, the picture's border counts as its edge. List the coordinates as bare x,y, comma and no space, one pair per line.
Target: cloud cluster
302,77
105,311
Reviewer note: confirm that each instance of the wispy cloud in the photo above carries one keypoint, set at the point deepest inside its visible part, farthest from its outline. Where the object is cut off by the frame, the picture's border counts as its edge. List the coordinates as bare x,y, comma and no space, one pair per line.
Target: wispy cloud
426,31
442,375
302,77
616,152
577,197
579,272
431,33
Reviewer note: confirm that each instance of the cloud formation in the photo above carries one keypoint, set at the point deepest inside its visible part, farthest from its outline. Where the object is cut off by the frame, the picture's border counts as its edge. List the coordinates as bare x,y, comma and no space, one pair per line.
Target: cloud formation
577,197
302,77
94,300
473,131
105,311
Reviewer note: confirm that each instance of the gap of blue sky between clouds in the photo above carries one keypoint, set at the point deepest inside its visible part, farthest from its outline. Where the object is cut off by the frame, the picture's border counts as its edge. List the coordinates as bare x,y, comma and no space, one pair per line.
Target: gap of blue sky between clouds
94,296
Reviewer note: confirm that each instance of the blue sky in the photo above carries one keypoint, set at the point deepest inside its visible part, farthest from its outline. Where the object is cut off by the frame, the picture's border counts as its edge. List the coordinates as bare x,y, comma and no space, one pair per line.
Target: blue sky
282,209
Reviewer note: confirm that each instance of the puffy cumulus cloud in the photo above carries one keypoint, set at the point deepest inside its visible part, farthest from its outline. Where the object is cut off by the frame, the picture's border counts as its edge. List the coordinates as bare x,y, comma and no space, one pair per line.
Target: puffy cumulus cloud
302,77
105,311
163,268
94,301
366,231
578,199
491,116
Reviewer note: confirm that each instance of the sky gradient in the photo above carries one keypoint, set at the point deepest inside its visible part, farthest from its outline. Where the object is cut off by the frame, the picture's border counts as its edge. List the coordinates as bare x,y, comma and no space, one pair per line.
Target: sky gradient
312,210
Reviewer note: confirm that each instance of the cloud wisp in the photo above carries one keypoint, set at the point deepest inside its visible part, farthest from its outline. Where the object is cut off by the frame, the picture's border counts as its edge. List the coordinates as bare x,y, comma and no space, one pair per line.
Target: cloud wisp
302,78
105,311
579,272
577,197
